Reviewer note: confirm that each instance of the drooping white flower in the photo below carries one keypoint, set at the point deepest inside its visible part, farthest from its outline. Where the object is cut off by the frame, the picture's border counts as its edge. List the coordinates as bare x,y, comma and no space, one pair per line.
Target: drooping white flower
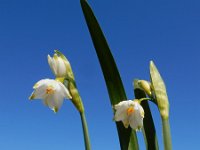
130,113
52,93
58,65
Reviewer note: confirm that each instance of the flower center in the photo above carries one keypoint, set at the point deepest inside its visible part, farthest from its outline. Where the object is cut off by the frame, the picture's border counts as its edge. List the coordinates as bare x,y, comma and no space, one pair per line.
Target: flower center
130,110
49,90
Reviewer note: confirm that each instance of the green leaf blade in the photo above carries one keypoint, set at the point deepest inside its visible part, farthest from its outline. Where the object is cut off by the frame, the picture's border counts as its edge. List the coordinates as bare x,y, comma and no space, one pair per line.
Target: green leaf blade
110,72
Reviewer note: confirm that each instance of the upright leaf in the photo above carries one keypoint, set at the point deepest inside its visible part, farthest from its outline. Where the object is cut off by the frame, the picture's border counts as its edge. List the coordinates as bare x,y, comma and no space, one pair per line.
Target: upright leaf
110,72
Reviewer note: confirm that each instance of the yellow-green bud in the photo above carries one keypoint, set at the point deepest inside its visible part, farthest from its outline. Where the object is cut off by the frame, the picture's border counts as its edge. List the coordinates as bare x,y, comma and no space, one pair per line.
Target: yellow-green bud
146,87
160,91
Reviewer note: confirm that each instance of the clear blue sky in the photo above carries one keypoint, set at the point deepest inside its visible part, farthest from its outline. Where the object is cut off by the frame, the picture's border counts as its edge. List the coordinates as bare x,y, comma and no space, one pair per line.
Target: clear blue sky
166,31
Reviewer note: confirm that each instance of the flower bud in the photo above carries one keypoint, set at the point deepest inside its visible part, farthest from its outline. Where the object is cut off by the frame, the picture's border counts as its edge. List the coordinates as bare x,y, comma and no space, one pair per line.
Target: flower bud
58,65
66,76
146,86
160,91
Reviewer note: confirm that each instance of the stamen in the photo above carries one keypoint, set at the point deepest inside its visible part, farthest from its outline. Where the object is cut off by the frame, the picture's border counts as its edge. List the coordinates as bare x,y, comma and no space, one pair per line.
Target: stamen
130,110
49,90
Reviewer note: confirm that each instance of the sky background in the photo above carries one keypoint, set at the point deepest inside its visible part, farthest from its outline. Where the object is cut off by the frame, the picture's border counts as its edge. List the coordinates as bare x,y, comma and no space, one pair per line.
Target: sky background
165,31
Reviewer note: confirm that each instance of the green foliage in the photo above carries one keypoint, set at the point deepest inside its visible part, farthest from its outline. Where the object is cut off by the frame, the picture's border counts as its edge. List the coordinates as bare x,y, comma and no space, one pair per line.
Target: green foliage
110,72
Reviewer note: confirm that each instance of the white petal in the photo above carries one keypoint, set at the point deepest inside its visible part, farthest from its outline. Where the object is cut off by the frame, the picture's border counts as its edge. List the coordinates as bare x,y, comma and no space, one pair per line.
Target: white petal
40,82
65,91
54,67
38,94
40,89
136,118
121,114
54,101
49,60
45,101
136,121
61,68
122,104
52,64
125,122
121,111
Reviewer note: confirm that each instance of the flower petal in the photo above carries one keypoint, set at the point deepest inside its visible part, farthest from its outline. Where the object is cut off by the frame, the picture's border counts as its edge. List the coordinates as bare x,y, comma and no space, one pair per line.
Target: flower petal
121,104
61,68
65,91
54,101
125,122
136,119
40,87
52,64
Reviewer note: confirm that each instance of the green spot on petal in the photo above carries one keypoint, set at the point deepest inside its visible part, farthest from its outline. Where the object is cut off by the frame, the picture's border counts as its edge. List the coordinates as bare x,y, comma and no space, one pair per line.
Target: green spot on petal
55,110
32,96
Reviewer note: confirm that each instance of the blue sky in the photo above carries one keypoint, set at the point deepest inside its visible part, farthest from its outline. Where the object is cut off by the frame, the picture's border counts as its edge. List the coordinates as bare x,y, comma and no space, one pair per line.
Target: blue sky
167,32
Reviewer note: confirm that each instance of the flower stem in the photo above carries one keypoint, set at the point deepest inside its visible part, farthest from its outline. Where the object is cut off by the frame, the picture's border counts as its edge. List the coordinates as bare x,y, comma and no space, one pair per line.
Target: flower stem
85,131
143,99
166,134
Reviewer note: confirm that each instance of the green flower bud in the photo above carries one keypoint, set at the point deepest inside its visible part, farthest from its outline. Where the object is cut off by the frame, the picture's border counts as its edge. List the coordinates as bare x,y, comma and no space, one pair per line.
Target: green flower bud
160,91
146,87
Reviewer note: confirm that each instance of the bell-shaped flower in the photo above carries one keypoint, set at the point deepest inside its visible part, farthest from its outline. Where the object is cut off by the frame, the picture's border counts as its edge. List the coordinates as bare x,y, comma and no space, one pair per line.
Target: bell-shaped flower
130,113
58,65
51,92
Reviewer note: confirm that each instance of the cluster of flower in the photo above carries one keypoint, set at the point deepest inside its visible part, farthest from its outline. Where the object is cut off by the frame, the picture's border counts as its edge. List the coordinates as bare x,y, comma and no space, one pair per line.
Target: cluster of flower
52,92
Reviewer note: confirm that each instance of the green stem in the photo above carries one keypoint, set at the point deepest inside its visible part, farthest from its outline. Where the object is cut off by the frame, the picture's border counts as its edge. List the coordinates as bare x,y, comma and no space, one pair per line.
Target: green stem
85,131
143,99
166,134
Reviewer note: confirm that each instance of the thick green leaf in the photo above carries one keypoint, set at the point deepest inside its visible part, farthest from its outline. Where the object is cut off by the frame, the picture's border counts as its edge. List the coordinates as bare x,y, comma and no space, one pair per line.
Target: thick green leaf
110,72
149,131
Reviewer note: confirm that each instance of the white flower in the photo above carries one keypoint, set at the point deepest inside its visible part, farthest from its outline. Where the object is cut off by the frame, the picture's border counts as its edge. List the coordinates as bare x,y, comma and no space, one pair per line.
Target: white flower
58,65
52,93
130,112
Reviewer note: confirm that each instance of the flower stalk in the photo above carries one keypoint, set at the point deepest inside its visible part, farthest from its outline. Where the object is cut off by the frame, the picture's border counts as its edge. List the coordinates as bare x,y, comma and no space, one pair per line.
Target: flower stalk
166,134
62,70
85,131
